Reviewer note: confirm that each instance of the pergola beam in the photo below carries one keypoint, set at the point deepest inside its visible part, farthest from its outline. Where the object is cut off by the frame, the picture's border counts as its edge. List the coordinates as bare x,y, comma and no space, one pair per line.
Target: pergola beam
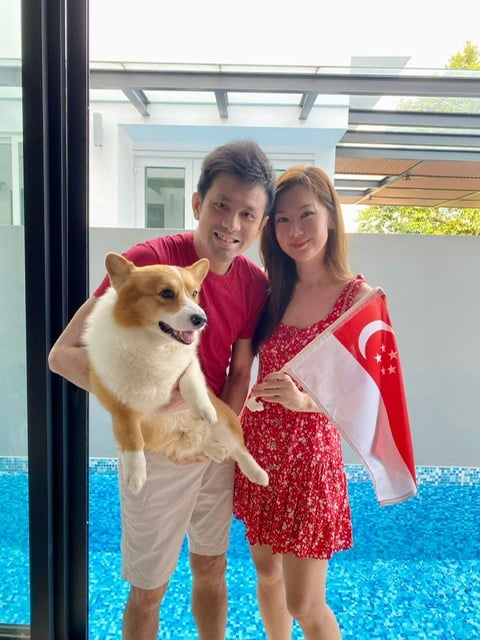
427,119
400,139
222,103
321,83
139,100
307,102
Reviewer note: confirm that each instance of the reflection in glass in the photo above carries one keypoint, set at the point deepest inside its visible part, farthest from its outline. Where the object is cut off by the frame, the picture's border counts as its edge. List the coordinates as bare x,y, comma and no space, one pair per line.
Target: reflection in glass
14,529
6,183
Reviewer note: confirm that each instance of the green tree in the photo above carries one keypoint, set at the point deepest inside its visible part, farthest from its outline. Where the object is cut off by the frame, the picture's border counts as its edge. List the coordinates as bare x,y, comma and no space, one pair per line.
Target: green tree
426,220
468,59
429,220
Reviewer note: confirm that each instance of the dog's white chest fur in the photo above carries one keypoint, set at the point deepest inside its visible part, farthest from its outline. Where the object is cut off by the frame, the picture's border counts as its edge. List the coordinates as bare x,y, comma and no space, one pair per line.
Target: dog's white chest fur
139,365
141,339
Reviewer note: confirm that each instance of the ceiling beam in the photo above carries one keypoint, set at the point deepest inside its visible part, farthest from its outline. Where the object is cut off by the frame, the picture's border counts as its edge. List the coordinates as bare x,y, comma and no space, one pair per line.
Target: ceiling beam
355,184
321,83
356,194
222,103
428,119
412,138
306,104
139,100
451,84
344,151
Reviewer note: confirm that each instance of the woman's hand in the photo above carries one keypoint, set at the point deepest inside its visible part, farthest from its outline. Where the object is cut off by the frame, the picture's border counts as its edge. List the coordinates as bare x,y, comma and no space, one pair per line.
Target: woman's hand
279,387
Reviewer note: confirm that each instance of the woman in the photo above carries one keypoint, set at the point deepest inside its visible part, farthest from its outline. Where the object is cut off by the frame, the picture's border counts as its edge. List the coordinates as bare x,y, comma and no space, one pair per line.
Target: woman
296,523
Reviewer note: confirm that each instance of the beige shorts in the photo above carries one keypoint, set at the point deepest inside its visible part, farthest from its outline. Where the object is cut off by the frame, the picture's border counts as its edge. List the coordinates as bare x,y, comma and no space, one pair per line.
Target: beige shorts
193,500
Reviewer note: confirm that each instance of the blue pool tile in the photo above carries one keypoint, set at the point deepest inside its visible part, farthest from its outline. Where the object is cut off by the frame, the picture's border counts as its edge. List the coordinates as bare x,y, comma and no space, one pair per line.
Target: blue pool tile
413,573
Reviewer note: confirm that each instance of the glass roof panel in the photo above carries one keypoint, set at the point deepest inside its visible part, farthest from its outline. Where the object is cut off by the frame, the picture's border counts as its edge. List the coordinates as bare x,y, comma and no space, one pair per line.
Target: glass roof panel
259,98
181,97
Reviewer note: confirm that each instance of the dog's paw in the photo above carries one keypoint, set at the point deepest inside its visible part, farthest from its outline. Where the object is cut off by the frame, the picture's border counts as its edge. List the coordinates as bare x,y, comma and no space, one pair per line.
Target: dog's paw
207,413
254,405
216,451
134,470
259,476
254,472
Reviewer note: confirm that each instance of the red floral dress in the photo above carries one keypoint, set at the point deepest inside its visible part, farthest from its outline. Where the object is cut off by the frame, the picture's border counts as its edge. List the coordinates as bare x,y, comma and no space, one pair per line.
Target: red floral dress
305,509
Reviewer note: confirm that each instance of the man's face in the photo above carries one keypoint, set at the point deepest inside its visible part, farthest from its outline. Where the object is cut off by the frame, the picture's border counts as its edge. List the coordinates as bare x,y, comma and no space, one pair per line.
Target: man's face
230,217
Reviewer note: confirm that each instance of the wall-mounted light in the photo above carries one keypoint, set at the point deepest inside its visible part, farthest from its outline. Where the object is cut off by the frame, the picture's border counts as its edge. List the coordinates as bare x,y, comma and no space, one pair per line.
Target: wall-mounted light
98,130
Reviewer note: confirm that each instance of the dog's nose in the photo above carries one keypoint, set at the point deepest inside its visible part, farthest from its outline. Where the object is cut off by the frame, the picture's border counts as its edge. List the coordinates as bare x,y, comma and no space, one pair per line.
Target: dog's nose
198,321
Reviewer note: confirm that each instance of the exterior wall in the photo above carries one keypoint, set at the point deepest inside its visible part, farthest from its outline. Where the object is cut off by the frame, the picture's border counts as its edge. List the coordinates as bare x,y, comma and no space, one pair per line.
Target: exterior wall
13,402
119,135
431,284
430,281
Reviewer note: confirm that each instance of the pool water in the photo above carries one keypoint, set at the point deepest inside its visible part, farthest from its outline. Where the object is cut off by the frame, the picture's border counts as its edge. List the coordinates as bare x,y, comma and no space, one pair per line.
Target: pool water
413,573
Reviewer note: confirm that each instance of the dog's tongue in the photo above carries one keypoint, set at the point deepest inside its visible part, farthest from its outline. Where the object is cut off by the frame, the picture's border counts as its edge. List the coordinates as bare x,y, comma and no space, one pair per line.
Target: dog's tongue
186,336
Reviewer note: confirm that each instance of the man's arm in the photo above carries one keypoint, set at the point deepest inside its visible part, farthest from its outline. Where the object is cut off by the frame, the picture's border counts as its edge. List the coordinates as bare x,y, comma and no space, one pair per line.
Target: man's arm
68,357
237,384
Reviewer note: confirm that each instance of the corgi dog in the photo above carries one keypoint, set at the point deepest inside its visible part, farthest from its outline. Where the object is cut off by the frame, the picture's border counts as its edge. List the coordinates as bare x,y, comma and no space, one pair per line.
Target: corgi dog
142,342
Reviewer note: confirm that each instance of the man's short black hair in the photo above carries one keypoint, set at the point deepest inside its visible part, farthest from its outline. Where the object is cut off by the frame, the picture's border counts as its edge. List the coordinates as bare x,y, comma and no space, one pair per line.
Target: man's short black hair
243,159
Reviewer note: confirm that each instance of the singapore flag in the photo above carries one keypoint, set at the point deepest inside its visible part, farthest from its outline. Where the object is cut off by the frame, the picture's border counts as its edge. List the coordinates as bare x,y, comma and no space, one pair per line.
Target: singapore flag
352,371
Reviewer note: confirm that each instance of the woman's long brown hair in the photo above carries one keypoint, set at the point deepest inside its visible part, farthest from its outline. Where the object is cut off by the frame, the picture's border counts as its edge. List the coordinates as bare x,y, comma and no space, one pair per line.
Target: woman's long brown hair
280,268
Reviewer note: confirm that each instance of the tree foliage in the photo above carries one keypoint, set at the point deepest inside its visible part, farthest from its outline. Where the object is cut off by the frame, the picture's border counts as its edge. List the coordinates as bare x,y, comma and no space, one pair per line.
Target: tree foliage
430,220
469,58
426,220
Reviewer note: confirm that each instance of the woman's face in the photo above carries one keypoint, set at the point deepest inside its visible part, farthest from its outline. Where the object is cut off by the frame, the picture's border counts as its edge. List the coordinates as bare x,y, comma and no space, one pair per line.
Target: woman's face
301,224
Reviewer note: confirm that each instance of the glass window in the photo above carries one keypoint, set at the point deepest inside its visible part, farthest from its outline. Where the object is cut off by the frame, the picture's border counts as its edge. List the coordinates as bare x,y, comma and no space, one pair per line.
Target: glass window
164,198
14,506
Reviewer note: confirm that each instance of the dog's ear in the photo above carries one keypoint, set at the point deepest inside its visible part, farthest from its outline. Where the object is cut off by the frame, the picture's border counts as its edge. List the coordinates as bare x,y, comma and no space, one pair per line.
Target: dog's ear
200,269
118,268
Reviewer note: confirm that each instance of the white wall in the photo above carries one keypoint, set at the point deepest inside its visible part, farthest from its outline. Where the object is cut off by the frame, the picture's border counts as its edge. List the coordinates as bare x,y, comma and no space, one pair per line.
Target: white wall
125,135
431,281
432,288
13,401
431,284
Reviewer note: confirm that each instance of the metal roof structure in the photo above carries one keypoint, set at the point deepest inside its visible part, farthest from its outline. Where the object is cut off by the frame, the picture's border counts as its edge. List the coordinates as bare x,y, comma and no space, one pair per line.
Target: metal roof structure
386,156
425,154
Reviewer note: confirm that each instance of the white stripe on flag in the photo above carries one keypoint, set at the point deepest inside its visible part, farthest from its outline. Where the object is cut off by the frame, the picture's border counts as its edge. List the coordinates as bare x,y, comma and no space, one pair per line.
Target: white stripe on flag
352,400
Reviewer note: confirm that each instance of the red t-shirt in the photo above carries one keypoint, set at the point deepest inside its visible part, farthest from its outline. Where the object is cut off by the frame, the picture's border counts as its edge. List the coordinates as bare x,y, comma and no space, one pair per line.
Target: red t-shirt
232,302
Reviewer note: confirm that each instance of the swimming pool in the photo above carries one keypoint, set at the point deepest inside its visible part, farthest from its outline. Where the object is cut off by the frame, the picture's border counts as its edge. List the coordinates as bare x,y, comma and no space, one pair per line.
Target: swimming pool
413,573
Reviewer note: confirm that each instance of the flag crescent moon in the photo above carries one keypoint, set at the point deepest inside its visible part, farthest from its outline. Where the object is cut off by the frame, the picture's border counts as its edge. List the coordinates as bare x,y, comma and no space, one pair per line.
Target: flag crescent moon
368,330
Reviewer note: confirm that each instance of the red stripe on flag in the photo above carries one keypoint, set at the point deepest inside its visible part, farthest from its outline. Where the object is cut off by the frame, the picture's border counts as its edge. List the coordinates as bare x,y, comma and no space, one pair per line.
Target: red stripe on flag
368,335
352,370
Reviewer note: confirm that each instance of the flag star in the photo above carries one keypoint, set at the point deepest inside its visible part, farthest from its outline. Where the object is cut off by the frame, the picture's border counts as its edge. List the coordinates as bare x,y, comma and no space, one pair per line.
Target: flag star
378,357
393,354
392,369
383,370
383,347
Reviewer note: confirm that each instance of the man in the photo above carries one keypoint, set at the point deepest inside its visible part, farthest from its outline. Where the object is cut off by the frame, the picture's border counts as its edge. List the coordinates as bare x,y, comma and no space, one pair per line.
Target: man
234,195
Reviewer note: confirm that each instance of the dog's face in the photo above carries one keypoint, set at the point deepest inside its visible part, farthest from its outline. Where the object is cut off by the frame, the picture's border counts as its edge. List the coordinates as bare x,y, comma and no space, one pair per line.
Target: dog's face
159,297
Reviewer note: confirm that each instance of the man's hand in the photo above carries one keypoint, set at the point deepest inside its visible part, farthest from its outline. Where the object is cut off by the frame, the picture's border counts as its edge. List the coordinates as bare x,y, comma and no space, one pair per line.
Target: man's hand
177,403
186,461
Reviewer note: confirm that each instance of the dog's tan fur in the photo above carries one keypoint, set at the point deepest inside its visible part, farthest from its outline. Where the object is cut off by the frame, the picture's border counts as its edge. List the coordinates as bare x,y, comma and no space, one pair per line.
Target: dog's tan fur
135,365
